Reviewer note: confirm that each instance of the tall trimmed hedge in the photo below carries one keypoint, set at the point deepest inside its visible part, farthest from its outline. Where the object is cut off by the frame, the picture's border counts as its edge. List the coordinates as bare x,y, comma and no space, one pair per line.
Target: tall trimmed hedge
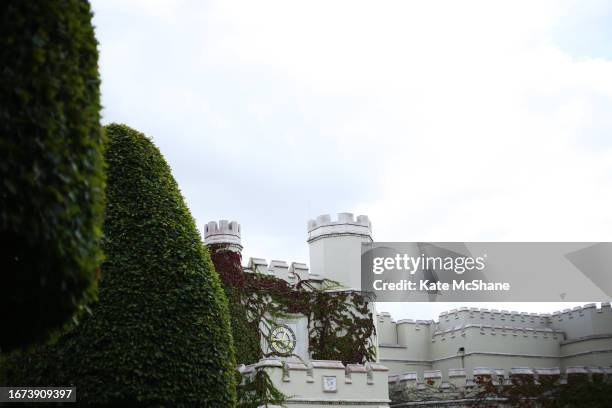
51,166
160,333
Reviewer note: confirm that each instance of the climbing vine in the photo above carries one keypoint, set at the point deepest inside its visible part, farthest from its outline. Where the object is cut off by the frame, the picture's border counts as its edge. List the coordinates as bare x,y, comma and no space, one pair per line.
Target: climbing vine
258,390
340,322
547,392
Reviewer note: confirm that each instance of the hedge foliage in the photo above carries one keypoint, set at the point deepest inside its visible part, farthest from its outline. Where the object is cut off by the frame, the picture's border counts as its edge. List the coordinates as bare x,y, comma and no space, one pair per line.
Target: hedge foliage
160,334
51,166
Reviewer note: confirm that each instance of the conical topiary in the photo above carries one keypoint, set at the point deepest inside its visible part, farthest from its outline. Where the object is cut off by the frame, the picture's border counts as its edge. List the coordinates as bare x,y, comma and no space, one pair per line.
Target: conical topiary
160,333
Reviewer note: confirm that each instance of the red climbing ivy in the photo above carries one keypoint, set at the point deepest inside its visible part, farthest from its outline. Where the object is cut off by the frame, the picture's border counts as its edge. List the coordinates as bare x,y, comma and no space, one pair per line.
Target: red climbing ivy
547,392
341,323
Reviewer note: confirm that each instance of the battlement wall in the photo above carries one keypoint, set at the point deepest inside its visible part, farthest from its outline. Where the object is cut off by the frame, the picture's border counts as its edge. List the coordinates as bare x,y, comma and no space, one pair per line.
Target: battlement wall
589,349
404,332
474,315
502,346
321,381
415,335
405,344
575,323
457,383
223,232
583,321
465,316
346,223
335,247
280,269
465,337
502,331
386,329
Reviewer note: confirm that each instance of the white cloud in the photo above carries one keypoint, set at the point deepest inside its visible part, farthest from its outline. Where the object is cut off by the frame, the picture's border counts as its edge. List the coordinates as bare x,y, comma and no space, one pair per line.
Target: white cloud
441,120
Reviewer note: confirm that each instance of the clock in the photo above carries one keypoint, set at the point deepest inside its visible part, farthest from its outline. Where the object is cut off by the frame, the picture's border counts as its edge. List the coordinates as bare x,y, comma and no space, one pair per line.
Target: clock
330,383
282,340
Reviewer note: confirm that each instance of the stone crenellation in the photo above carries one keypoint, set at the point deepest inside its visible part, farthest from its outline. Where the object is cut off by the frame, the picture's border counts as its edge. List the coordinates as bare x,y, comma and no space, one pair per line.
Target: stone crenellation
317,381
463,317
460,378
460,387
342,219
492,330
310,371
345,224
335,249
289,272
421,355
472,337
223,232
334,245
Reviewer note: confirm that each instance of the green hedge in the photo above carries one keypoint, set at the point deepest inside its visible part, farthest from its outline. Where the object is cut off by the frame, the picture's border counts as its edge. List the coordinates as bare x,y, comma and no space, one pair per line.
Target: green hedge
51,166
160,333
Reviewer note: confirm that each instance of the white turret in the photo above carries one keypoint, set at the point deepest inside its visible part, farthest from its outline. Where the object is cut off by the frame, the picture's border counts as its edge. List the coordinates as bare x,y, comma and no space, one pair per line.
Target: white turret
335,247
225,232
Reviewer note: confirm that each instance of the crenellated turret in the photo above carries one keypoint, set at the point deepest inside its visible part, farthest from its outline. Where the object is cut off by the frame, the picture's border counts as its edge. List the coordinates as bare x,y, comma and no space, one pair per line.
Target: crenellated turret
224,232
335,247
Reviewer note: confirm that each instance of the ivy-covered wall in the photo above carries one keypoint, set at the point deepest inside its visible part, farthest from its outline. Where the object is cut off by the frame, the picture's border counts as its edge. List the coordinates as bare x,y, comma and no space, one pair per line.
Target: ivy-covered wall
341,324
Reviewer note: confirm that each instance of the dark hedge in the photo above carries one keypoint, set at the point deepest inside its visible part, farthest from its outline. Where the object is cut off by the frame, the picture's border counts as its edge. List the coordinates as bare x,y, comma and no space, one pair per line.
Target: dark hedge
51,166
160,334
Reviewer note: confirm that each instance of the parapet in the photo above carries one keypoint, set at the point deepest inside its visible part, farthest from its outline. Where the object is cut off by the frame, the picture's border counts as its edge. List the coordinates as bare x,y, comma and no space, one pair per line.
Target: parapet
224,232
417,322
385,317
473,315
320,381
584,322
346,224
257,265
579,311
298,270
601,316
493,312
493,330
544,319
458,379
291,273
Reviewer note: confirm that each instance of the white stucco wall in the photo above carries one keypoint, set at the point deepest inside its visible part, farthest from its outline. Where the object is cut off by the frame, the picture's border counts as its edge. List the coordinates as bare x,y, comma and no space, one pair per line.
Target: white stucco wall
335,247
461,341
356,385
469,338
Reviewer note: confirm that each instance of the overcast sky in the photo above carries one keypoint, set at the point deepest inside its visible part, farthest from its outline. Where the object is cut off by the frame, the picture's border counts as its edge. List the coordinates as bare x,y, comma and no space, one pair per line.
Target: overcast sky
442,121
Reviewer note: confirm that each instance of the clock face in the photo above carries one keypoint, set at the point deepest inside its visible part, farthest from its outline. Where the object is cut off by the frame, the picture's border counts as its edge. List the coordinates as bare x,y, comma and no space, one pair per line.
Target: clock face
282,340
329,383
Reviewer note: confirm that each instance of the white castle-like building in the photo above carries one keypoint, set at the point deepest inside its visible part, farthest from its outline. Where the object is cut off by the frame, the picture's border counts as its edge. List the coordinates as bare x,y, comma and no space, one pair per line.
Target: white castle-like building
468,338
419,357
